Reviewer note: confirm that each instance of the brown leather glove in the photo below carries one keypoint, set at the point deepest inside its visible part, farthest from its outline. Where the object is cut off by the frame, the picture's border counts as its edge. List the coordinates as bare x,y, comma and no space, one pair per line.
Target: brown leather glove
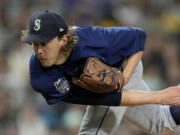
99,77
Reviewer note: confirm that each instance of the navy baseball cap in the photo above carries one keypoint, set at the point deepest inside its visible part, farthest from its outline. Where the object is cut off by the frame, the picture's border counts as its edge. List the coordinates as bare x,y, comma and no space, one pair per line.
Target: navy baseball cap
45,26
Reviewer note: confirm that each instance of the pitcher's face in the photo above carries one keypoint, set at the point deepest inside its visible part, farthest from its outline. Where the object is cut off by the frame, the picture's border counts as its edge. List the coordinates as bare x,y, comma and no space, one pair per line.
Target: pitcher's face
48,52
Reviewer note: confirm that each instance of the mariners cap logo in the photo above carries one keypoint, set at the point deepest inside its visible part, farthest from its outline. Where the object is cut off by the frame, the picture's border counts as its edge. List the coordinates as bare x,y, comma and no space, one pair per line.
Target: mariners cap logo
37,24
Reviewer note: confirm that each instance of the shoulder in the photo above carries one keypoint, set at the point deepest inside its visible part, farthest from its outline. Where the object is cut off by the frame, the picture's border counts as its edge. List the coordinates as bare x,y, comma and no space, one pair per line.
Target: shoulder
140,32
126,30
87,29
95,31
48,81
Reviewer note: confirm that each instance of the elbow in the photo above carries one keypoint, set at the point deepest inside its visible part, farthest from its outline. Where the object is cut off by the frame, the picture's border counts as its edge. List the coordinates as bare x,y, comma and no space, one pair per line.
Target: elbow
142,35
140,32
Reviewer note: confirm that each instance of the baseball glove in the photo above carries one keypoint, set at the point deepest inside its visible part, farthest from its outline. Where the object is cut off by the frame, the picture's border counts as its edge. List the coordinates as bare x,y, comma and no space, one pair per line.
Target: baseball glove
99,77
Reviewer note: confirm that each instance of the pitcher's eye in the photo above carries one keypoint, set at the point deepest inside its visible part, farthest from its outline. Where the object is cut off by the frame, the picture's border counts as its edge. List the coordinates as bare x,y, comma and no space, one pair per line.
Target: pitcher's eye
31,43
39,43
44,43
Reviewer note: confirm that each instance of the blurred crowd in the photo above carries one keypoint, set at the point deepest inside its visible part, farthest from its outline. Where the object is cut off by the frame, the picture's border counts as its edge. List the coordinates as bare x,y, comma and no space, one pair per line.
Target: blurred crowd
24,112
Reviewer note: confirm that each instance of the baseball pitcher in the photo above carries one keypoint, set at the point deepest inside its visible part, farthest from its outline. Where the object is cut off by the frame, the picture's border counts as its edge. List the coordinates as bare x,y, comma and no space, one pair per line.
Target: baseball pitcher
99,67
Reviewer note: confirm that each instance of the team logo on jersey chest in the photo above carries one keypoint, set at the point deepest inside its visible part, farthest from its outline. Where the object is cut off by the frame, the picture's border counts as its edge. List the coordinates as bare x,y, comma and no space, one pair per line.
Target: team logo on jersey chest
62,85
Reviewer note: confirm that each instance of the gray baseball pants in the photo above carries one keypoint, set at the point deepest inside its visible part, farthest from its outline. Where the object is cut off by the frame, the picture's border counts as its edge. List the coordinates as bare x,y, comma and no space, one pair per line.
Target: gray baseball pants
104,120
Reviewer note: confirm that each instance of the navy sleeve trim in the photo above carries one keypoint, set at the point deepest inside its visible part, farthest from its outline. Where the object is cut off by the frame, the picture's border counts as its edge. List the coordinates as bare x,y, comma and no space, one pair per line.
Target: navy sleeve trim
85,97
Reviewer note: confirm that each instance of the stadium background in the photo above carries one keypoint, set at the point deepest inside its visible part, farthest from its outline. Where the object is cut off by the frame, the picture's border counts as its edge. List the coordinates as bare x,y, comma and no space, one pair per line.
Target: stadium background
24,112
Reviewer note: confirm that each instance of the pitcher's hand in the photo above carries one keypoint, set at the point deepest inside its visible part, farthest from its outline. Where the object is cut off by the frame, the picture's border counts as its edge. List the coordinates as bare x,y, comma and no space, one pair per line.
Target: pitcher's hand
171,96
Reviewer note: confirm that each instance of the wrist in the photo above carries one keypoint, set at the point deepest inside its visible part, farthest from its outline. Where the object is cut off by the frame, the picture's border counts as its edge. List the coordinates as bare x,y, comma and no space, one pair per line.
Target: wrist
163,98
126,78
158,97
